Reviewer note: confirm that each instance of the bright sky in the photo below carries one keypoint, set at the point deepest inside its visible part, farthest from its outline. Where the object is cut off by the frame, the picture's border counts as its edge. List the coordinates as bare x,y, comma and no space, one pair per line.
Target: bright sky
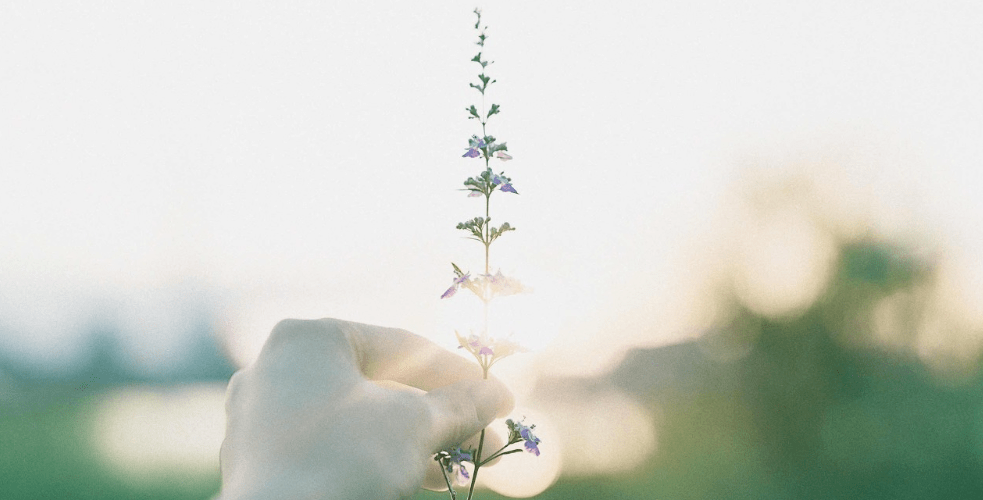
301,158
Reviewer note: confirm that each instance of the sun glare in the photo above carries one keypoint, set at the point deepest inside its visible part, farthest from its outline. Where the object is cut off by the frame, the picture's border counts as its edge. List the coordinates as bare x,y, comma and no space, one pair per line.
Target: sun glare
531,319
783,264
602,432
522,475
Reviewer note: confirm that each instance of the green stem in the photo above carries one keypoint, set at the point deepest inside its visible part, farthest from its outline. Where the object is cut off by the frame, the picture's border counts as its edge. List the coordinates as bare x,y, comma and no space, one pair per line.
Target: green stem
497,454
487,293
493,455
477,461
487,229
447,480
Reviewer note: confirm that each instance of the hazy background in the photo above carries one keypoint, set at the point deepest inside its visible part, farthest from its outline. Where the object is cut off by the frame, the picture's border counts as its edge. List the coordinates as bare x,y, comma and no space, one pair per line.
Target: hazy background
176,177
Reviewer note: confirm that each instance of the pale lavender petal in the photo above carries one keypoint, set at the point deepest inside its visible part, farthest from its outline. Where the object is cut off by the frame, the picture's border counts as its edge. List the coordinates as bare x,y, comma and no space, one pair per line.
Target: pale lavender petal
486,350
502,155
507,188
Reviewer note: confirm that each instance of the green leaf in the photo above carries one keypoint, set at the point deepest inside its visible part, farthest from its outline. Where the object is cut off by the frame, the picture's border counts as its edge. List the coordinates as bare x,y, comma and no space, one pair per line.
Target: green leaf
457,270
474,112
480,89
499,147
484,79
492,111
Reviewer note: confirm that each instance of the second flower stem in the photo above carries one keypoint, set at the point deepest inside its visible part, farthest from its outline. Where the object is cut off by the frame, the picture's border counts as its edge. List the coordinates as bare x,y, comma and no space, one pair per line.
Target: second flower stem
477,462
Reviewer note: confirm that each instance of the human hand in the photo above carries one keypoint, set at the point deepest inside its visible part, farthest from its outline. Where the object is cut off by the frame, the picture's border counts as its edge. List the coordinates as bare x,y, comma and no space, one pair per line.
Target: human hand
308,421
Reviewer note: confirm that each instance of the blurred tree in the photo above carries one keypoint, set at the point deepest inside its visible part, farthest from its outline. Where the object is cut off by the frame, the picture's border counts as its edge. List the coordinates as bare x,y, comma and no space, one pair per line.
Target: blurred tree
813,405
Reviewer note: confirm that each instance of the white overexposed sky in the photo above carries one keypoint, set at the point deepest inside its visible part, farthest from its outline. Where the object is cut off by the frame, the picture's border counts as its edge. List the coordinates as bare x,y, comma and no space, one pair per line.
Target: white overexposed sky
301,158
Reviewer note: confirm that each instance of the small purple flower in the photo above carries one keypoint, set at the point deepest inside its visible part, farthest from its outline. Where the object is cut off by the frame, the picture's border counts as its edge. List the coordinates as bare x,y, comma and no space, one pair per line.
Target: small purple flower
523,431
455,459
506,185
460,280
474,147
526,434
475,343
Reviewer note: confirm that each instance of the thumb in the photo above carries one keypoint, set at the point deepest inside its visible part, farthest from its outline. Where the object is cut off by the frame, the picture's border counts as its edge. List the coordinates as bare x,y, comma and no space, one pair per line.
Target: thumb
463,409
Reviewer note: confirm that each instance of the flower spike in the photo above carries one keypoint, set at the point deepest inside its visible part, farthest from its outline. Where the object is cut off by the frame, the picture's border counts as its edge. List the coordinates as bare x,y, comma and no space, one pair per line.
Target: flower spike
486,348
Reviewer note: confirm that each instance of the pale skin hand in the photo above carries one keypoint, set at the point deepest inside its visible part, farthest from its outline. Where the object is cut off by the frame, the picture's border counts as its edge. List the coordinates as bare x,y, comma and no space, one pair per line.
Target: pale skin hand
307,420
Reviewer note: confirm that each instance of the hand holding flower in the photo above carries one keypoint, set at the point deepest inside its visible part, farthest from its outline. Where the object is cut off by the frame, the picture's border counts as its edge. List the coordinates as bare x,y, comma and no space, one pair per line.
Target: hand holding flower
307,419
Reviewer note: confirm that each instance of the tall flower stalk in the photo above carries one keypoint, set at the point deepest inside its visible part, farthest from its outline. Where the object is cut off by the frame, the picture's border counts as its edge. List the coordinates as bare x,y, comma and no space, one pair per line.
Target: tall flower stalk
486,348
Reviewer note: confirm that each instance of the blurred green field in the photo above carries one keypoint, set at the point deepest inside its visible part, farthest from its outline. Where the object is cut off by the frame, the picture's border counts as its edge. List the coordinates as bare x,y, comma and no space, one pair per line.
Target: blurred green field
800,407
47,453
919,444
